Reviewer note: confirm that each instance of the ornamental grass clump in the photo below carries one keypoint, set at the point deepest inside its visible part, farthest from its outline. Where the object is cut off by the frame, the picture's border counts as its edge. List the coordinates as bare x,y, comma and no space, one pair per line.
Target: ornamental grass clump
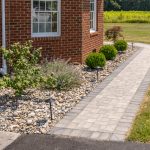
121,45
22,60
95,60
60,75
109,51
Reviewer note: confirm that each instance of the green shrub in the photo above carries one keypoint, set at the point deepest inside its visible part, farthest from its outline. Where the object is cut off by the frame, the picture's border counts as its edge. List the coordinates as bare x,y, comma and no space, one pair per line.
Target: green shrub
22,59
60,75
121,45
109,51
95,60
49,82
2,83
114,33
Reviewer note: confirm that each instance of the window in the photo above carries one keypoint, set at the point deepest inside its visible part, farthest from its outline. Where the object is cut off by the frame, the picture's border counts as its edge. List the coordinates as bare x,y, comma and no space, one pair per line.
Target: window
93,15
45,18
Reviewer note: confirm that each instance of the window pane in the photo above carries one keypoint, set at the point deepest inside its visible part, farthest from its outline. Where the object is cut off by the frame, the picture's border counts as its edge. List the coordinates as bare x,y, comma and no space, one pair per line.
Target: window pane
41,27
34,17
54,17
42,5
91,24
35,27
48,27
92,6
48,17
54,5
48,5
91,16
42,17
36,5
54,27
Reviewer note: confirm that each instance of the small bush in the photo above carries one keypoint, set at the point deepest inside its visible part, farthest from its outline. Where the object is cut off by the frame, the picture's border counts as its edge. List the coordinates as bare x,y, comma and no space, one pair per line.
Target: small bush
109,51
95,60
114,33
2,83
48,82
60,75
121,45
22,59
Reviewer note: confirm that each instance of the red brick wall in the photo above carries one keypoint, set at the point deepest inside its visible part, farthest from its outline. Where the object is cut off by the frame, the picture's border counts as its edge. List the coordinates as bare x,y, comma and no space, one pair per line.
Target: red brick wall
92,41
75,41
68,45
0,35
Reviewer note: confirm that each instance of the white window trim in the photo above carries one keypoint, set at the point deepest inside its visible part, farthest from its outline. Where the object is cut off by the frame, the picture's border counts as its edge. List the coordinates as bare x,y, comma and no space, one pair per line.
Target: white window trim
50,34
94,29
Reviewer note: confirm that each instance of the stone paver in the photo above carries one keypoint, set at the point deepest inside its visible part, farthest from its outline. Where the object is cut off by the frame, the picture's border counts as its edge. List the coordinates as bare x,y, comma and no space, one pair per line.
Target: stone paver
7,138
107,113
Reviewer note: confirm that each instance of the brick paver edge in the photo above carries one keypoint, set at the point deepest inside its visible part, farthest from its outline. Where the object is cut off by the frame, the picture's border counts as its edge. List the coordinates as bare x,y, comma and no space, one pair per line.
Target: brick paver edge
132,109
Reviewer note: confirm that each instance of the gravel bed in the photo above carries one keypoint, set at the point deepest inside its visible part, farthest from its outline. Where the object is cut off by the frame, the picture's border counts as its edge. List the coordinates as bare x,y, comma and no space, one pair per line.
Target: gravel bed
31,113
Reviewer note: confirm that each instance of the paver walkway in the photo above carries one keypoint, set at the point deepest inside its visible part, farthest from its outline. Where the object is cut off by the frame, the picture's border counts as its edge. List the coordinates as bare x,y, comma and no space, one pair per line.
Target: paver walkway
108,112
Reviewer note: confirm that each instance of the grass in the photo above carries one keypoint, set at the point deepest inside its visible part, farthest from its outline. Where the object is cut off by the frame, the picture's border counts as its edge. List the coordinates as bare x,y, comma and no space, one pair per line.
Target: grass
140,131
133,32
127,16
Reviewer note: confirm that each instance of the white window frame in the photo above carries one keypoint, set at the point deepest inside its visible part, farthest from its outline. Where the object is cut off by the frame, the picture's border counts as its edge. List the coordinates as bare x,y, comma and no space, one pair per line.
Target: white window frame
48,34
94,29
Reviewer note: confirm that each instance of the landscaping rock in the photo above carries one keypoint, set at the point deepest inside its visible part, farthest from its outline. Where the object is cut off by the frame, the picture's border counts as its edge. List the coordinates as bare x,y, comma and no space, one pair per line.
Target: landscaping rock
34,106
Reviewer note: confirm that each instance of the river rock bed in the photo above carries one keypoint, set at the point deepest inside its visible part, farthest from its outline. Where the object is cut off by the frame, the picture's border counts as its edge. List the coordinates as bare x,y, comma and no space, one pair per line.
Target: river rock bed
31,113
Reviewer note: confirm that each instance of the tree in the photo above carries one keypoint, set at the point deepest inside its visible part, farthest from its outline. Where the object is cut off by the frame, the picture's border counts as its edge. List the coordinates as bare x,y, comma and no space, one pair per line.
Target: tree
112,4
143,5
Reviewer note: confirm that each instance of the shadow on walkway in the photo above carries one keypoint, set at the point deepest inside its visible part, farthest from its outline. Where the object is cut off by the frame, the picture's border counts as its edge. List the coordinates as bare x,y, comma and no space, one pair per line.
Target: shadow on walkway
48,142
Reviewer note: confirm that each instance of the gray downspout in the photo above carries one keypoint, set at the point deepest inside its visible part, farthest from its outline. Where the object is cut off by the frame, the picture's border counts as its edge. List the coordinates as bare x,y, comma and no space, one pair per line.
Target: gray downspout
3,70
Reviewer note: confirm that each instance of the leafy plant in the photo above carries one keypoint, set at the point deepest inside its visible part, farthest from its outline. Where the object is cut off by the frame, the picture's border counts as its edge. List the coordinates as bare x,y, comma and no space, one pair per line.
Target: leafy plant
121,45
95,60
114,33
60,75
109,51
22,60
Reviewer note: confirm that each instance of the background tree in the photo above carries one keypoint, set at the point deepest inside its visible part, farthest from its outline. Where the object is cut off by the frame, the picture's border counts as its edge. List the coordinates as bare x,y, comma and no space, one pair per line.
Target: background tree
143,5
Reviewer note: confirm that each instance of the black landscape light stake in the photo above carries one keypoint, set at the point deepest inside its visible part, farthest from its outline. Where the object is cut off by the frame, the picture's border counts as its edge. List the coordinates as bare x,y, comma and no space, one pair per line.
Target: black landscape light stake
97,72
15,103
51,111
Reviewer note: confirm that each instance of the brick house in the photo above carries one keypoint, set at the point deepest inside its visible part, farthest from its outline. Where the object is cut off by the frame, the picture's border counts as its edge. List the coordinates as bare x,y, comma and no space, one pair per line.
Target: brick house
63,28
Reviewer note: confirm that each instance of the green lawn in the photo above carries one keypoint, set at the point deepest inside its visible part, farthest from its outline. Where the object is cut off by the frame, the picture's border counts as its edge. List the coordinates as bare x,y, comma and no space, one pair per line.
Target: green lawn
133,32
141,128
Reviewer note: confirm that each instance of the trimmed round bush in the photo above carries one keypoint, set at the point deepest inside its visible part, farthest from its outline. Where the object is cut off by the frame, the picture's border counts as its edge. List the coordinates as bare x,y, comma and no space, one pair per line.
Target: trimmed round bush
121,45
109,51
95,60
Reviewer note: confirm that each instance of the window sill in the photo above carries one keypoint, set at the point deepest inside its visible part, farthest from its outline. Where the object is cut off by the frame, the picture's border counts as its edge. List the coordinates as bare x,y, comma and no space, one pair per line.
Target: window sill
94,33
44,35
